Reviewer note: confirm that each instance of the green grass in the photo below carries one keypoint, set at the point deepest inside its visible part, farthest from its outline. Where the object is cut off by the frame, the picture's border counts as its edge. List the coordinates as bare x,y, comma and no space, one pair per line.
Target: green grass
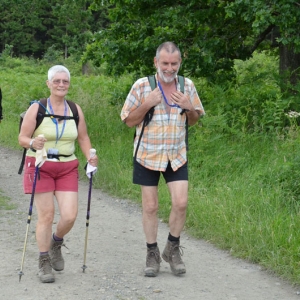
4,203
243,189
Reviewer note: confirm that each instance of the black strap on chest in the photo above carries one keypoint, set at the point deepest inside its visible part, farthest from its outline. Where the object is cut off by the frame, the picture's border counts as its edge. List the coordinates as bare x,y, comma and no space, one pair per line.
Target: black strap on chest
43,108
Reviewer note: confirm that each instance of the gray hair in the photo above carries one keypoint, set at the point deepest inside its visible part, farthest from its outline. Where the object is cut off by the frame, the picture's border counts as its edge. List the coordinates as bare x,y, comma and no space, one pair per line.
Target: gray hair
170,47
58,69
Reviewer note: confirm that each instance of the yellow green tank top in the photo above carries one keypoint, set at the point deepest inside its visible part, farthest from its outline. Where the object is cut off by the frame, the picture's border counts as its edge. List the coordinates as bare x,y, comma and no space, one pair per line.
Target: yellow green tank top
66,144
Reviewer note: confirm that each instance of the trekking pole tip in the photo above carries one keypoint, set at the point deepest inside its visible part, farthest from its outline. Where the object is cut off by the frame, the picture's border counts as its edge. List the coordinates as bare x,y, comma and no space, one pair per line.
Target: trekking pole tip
83,268
20,275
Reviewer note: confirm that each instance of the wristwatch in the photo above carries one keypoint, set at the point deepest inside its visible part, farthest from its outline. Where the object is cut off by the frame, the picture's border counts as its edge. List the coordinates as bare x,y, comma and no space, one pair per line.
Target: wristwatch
30,144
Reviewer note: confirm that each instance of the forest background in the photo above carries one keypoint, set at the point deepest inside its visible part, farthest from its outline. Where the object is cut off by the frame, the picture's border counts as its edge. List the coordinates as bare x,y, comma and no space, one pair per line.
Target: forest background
243,57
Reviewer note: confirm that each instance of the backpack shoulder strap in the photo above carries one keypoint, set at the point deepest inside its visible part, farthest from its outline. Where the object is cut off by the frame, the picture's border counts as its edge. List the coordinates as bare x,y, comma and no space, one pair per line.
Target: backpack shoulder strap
149,114
152,81
41,112
181,82
43,107
40,116
74,111
44,103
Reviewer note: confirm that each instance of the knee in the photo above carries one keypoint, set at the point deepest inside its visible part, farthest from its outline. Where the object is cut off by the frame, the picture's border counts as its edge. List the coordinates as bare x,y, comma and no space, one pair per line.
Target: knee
69,219
46,218
150,208
180,206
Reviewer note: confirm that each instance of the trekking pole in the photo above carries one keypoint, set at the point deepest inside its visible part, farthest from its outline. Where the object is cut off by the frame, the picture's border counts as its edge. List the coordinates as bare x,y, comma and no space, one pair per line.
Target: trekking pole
28,220
92,153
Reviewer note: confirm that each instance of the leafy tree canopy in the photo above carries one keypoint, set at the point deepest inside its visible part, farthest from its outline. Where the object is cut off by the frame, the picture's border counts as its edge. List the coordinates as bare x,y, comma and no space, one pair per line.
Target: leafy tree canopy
32,27
210,34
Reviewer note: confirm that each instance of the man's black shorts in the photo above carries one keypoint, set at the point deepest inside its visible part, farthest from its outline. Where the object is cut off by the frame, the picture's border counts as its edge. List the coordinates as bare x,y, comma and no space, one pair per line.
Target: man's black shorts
147,177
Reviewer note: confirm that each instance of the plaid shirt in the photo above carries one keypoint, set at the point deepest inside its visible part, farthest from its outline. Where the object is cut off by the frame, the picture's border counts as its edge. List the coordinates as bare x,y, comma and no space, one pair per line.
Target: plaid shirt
163,139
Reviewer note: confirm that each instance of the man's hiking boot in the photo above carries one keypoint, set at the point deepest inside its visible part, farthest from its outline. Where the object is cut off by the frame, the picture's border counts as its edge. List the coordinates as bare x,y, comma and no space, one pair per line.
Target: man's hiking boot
153,261
172,254
45,269
57,260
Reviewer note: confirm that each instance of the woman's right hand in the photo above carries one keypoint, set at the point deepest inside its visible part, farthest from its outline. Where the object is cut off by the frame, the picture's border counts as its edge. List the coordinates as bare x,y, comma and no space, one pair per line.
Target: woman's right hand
39,142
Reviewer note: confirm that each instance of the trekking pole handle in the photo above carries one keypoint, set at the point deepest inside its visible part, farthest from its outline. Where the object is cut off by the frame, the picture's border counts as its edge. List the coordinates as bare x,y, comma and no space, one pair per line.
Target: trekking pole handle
92,152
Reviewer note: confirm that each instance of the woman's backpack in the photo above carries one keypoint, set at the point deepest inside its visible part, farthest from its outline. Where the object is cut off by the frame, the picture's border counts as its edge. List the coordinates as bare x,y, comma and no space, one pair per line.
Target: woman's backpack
41,114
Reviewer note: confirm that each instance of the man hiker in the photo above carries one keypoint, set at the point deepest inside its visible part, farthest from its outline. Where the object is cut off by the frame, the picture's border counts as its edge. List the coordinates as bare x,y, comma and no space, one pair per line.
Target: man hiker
160,148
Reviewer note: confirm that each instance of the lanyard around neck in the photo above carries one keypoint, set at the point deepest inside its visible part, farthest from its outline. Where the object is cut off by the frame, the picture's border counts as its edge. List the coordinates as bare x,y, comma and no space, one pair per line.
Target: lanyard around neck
166,100
58,136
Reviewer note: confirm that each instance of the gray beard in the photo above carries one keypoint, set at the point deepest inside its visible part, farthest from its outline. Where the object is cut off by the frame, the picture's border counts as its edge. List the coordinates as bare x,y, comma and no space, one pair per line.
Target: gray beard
166,80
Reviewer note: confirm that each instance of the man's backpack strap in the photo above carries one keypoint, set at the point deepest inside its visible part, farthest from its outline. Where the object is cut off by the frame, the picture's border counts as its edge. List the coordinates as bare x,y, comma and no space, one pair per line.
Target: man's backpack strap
152,81
148,116
181,82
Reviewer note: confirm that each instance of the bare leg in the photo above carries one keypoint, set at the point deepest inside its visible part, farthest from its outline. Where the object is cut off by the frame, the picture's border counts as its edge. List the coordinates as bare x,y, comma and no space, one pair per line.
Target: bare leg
171,253
150,208
44,203
179,196
150,225
68,208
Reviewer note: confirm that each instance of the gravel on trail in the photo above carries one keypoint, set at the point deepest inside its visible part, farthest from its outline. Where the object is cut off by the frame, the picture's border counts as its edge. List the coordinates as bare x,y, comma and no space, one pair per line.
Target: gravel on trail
116,253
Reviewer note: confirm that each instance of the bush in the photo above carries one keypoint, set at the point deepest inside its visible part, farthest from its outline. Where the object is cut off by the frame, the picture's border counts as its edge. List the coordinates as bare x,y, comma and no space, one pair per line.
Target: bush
253,103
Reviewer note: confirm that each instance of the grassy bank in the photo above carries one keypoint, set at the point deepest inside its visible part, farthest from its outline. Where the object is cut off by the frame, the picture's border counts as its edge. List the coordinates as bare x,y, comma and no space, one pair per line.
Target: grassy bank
243,195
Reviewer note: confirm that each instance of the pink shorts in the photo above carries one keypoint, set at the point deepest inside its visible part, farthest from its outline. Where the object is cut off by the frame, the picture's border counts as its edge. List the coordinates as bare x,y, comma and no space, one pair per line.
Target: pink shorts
53,176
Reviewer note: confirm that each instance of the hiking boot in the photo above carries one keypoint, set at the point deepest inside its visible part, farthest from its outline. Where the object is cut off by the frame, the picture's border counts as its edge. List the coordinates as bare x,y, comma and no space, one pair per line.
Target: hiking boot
57,260
172,254
45,269
153,261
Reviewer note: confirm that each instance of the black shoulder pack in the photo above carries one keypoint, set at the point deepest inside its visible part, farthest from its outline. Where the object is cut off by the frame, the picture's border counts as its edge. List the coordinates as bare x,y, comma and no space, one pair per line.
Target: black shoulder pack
149,114
41,114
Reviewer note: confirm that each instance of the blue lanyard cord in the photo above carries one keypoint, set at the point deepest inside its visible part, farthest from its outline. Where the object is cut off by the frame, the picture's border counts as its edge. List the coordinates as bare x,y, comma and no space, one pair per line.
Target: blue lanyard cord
172,105
58,137
35,101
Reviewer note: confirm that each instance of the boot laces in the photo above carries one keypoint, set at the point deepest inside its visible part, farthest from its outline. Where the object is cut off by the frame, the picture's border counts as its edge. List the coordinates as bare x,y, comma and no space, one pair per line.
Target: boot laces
153,258
45,264
176,252
57,247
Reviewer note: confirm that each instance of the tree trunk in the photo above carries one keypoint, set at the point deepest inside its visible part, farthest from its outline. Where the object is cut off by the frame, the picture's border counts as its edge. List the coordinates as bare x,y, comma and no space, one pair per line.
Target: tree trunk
66,51
289,68
85,68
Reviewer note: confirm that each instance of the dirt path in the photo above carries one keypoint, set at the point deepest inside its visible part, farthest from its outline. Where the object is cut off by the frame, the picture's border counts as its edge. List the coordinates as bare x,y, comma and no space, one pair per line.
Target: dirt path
116,256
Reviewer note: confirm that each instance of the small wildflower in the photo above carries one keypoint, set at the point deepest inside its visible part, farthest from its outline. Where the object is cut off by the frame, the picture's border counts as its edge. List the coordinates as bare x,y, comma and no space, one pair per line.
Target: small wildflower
293,114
